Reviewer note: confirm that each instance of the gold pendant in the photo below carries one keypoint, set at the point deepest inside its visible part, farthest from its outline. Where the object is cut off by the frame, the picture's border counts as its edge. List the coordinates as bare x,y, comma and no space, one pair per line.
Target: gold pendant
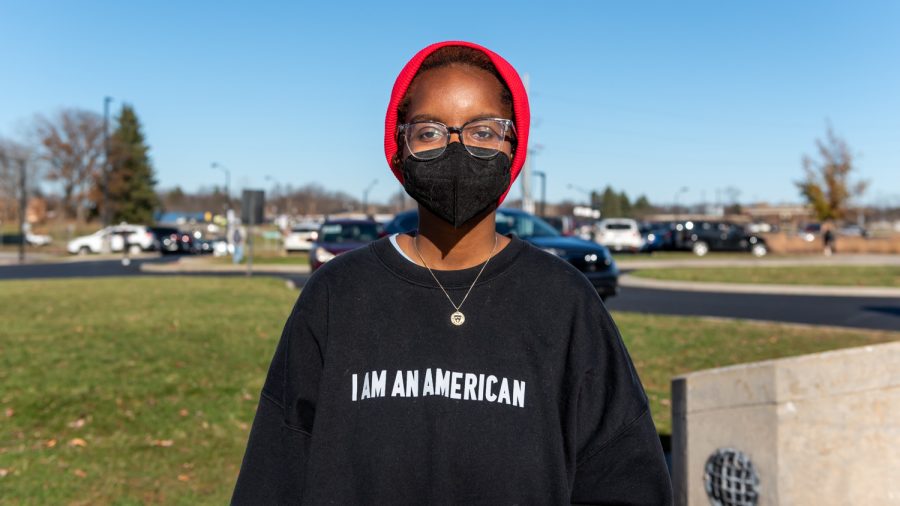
457,318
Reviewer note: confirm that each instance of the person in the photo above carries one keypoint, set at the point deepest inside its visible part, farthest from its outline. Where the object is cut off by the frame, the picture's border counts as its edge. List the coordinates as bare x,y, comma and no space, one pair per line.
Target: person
452,364
828,241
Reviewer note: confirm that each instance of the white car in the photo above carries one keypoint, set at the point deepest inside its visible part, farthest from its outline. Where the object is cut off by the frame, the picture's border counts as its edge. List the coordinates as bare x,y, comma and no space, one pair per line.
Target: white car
302,237
619,234
140,238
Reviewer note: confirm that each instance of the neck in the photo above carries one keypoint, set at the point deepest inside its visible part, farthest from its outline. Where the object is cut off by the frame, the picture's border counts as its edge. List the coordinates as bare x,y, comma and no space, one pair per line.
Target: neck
444,247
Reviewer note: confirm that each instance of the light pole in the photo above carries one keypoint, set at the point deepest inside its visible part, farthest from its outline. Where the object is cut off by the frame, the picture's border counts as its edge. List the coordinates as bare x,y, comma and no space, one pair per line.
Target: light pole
106,101
589,193
543,175
23,207
217,165
365,201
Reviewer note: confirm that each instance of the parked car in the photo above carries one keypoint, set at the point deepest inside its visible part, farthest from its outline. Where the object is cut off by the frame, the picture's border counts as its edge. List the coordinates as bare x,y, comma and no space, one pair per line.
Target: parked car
339,236
301,237
701,237
810,232
851,230
565,225
171,240
140,238
592,259
619,234
655,236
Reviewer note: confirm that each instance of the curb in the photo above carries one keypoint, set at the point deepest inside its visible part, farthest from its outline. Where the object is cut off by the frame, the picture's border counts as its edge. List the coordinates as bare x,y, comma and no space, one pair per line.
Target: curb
628,280
195,267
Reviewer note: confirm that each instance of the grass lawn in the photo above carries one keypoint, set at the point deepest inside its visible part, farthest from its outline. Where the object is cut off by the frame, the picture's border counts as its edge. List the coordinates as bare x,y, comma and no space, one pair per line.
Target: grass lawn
269,258
845,275
128,391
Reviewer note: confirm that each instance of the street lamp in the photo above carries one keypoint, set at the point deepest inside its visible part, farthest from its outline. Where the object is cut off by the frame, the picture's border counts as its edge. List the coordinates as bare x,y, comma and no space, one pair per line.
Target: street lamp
365,201
589,193
217,165
683,189
106,101
543,175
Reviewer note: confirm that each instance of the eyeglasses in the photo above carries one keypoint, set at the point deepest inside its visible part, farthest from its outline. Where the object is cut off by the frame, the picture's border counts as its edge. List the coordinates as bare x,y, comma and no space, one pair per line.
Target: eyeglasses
482,138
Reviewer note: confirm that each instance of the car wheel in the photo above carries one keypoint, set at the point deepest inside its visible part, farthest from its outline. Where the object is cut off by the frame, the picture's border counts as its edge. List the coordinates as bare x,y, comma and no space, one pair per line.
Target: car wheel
700,248
759,250
84,250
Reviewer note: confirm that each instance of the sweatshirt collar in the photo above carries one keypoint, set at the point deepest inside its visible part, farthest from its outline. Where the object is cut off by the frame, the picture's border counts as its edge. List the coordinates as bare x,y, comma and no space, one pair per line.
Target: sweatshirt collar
453,279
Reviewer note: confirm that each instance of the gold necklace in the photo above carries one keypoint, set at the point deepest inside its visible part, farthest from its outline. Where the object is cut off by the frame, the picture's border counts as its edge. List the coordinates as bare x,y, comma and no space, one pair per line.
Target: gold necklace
457,318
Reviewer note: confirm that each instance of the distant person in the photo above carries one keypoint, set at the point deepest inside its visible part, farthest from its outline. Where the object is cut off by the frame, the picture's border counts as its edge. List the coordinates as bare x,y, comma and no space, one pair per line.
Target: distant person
452,364
828,242
237,240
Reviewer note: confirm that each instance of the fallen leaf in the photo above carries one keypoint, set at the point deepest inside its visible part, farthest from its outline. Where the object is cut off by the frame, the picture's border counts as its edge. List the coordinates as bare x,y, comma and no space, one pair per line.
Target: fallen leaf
79,473
165,443
50,444
183,412
77,424
10,412
665,402
3,472
78,442
183,477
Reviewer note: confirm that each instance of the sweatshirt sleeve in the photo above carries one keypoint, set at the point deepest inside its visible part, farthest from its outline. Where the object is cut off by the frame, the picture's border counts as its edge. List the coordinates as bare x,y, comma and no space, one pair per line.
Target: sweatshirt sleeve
618,455
274,463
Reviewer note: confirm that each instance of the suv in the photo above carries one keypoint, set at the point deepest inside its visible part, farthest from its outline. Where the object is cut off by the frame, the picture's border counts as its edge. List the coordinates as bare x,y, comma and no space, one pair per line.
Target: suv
140,238
592,259
619,234
701,237
339,236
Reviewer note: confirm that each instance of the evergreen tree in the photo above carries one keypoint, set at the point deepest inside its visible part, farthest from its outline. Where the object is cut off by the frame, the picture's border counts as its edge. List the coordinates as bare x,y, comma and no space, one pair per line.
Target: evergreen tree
132,183
611,204
642,206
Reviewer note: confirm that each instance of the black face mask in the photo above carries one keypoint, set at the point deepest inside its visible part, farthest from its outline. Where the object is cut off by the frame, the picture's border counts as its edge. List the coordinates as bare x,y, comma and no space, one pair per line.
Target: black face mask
457,186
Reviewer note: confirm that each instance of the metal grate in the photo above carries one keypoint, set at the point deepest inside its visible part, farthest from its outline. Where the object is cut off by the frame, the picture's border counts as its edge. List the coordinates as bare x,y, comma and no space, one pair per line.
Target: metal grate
730,479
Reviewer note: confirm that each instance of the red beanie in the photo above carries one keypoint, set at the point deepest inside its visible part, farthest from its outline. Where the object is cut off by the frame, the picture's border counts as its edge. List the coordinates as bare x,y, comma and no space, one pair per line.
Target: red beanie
521,114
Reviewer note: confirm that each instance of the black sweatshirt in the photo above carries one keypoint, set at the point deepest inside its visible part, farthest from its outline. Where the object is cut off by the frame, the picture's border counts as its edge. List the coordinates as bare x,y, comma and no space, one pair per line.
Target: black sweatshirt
375,397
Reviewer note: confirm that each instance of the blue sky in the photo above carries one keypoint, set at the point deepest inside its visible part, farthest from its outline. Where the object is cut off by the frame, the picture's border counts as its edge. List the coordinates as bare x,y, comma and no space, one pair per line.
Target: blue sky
645,96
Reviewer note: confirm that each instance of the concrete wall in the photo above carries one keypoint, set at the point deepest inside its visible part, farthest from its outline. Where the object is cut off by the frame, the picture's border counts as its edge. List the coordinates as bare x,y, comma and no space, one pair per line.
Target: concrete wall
820,429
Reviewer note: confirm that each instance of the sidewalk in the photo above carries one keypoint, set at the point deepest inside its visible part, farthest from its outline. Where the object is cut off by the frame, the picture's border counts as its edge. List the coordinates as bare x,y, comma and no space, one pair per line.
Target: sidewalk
197,265
650,263
627,280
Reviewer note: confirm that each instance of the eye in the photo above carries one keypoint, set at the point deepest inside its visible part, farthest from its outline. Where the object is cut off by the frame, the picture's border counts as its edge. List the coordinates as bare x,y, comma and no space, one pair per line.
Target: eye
427,134
482,133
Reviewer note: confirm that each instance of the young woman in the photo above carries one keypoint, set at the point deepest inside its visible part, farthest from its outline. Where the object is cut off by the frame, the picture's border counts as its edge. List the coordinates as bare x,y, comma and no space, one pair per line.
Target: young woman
452,364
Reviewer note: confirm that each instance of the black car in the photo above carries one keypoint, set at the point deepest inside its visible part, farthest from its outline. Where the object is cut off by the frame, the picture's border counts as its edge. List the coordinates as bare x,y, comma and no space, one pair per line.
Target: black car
589,257
172,240
701,237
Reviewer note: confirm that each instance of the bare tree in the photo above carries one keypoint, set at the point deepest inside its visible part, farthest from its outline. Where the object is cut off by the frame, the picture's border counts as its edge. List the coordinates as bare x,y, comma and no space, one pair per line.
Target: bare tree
827,186
14,158
71,145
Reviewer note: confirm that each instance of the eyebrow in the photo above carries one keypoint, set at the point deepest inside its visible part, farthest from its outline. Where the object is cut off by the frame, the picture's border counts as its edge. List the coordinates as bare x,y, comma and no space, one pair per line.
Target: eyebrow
429,117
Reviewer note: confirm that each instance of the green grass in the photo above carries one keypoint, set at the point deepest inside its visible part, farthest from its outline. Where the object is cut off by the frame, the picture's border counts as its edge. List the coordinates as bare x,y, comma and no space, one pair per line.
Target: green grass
846,275
269,258
126,356
687,255
159,378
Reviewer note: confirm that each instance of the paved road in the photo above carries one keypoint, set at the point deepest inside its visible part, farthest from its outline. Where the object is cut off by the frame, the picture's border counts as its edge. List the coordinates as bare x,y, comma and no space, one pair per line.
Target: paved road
870,313
860,312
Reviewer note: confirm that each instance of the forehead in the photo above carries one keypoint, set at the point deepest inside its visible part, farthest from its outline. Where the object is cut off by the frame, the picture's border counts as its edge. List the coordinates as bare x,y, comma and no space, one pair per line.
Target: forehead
456,93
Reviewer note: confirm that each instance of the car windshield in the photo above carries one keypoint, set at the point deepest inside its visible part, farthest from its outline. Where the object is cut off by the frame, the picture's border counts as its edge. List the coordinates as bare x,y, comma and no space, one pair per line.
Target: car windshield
524,225
349,232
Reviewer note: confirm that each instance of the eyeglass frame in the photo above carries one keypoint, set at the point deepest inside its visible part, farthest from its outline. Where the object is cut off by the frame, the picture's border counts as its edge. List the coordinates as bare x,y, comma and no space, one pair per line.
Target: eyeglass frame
458,131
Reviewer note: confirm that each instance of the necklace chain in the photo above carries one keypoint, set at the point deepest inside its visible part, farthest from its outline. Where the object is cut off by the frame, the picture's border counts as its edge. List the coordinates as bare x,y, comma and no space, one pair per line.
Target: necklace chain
416,246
